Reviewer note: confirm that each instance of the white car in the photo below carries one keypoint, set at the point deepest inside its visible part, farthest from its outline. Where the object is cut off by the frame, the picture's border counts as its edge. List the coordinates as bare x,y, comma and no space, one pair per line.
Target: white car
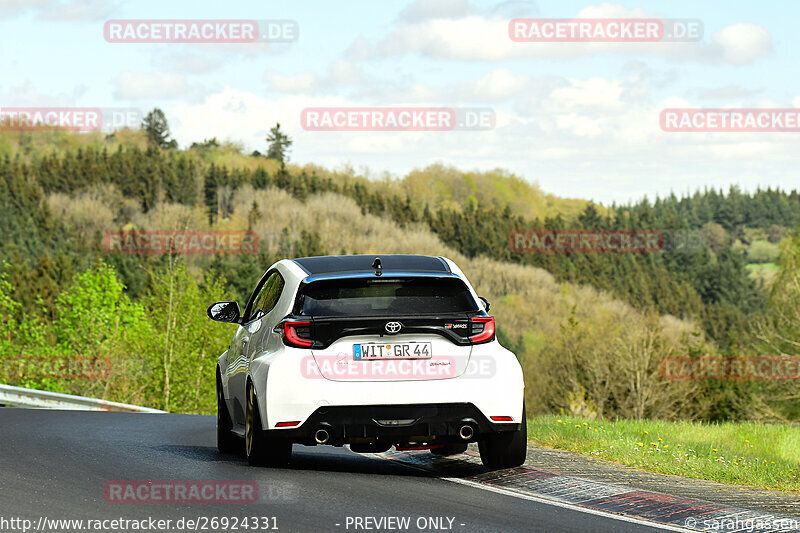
372,352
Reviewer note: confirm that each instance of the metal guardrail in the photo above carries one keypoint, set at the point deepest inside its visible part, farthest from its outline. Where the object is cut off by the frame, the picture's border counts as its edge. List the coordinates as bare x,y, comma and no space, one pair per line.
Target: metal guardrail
21,397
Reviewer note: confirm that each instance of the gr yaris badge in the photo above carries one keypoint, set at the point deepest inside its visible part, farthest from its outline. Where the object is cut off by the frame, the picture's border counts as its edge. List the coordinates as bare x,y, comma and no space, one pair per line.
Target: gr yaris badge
393,327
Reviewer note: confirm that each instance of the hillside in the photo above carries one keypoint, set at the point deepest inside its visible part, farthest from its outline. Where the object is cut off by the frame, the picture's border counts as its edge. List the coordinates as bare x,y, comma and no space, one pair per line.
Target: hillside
590,330
450,188
529,304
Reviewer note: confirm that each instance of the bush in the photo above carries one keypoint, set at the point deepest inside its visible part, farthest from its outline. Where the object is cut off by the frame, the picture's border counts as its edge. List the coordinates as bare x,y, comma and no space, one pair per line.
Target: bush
762,252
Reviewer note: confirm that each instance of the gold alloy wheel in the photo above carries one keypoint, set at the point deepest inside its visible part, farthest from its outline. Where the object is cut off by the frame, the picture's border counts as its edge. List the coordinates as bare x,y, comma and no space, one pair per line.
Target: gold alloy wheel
220,399
249,419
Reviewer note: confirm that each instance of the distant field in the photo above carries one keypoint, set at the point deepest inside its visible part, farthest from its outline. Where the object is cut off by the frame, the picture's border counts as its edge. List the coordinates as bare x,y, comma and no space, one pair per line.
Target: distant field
744,453
764,271
756,267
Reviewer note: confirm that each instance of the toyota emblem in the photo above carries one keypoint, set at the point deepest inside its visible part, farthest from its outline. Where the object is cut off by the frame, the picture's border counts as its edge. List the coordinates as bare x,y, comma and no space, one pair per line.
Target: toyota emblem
393,327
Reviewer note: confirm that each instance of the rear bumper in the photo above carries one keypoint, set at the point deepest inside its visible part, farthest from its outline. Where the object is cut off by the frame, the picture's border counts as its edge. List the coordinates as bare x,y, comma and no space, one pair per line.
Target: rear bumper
437,423
285,396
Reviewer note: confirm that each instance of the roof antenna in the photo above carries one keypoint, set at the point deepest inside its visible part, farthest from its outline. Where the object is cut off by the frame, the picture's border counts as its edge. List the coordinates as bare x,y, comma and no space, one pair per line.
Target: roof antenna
377,266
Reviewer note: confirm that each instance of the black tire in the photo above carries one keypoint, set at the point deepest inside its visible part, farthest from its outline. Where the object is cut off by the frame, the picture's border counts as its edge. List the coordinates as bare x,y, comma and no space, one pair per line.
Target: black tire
227,442
505,449
259,448
450,449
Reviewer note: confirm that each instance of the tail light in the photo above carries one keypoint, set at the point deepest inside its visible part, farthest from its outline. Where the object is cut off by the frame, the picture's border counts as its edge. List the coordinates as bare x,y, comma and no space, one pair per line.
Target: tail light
482,329
297,333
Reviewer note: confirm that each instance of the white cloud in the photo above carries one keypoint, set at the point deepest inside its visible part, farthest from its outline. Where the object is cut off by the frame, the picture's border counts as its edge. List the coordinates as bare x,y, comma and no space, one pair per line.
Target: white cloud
66,10
188,61
477,37
345,78
516,9
146,85
359,50
12,8
499,84
731,91
469,38
609,10
27,95
743,44
594,95
289,83
79,10
208,57
591,144
434,9
579,125
340,74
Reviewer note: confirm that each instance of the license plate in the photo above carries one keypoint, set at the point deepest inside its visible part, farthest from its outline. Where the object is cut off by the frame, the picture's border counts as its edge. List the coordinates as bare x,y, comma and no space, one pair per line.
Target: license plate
391,350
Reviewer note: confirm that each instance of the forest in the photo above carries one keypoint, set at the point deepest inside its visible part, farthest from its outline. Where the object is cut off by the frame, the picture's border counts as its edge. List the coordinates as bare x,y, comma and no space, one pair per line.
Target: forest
590,329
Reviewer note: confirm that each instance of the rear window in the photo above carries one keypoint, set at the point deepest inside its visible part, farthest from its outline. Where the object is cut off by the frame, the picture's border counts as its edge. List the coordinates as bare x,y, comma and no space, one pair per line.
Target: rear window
375,297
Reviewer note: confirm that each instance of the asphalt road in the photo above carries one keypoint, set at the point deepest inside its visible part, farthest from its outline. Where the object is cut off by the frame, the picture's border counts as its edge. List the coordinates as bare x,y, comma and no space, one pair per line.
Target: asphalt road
55,464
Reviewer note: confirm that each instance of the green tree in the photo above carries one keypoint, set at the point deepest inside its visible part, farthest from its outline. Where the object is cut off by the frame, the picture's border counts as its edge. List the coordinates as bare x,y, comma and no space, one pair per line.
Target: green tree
156,128
261,179
210,185
185,345
590,218
96,319
714,236
762,252
8,309
780,330
279,144
784,302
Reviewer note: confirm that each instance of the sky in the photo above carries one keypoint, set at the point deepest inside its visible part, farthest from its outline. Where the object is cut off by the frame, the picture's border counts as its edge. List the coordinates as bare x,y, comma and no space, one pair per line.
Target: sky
580,119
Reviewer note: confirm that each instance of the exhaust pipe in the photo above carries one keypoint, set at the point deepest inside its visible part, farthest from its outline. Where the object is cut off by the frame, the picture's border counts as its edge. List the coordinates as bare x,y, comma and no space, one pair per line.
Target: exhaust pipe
322,436
466,432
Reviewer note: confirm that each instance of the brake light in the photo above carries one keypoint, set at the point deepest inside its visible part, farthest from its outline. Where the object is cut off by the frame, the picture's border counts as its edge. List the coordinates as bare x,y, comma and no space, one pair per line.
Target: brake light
482,329
287,424
502,419
293,333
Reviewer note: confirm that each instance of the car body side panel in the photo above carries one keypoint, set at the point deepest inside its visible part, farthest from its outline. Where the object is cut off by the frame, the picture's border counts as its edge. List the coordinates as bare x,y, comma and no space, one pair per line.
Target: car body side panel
234,364
268,344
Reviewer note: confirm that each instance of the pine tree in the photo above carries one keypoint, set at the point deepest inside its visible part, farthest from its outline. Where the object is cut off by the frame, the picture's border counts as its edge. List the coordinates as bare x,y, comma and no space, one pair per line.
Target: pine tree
210,193
279,144
156,128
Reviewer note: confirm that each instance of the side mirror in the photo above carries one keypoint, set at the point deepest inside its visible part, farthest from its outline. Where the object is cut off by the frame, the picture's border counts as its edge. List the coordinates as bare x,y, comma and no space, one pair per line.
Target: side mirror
224,312
486,304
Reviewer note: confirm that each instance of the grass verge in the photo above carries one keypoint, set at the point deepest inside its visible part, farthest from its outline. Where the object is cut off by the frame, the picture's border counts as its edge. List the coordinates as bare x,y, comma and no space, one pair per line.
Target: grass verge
741,453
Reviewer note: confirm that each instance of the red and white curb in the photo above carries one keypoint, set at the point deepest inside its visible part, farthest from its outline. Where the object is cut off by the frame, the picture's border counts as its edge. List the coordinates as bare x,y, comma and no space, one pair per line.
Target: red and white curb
668,512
